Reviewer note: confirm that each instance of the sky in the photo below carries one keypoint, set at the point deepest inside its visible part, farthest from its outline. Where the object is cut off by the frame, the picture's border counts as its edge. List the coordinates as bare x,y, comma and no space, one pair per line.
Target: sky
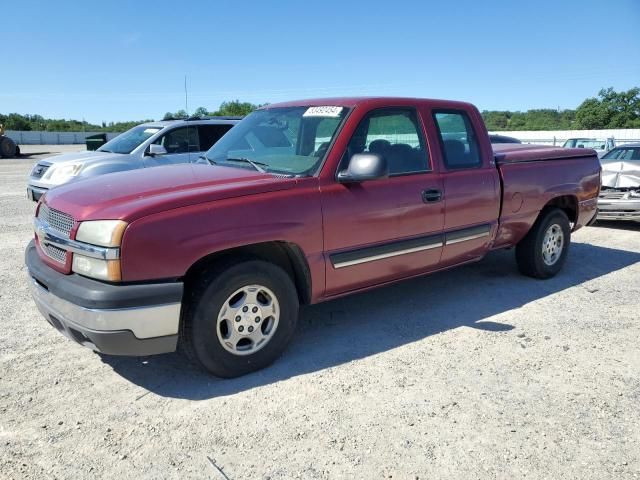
127,60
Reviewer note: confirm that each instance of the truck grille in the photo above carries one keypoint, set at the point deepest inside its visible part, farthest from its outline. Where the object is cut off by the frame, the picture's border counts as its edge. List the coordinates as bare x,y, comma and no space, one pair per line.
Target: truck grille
612,194
56,219
39,170
58,254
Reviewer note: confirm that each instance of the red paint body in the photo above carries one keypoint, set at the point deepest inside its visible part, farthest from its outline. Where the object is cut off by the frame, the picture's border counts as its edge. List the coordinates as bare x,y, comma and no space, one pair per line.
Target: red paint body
179,214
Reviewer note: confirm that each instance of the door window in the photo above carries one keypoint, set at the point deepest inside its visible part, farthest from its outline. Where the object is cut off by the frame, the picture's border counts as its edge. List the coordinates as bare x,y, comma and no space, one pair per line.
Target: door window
458,139
180,140
395,134
210,134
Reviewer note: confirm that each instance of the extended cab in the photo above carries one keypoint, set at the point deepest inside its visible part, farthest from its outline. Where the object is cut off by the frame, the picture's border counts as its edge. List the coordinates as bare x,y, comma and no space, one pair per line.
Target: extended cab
301,202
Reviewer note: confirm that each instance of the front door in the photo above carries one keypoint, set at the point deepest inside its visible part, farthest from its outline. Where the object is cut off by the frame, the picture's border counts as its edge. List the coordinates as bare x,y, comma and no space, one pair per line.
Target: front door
182,145
381,230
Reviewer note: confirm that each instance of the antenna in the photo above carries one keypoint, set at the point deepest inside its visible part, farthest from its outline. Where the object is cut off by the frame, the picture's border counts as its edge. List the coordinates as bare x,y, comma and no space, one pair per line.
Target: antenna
186,97
186,109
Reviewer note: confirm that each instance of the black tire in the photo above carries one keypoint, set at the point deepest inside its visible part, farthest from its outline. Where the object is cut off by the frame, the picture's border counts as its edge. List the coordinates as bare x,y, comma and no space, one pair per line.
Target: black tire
529,252
7,147
199,328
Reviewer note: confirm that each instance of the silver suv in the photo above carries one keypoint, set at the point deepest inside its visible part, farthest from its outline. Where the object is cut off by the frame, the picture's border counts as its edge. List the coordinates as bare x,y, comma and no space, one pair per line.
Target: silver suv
147,145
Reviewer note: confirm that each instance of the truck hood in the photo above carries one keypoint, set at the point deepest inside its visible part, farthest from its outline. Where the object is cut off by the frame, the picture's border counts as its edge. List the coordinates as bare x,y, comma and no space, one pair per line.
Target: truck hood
79,157
621,174
137,193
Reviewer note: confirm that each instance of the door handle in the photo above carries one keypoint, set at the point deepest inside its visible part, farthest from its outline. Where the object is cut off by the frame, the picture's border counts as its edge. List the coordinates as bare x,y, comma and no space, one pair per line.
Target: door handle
431,196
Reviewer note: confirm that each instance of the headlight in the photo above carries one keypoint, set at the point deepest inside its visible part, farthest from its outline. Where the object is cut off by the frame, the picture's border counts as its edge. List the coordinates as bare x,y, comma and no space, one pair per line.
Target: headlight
105,233
63,173
108,270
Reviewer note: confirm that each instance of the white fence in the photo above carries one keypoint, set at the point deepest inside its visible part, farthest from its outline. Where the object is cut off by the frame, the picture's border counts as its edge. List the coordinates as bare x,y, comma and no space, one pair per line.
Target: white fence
558,137
51,138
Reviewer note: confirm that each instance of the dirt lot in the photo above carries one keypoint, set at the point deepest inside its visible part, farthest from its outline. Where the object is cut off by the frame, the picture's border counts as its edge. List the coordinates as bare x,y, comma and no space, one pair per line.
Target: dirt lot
473,373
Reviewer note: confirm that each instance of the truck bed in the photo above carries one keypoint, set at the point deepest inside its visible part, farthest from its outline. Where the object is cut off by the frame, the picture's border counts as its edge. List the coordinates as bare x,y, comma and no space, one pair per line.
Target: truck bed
517,153
554,170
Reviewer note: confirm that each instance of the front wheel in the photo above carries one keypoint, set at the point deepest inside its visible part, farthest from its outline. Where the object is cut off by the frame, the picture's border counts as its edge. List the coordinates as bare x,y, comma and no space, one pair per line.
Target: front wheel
239,318
543,251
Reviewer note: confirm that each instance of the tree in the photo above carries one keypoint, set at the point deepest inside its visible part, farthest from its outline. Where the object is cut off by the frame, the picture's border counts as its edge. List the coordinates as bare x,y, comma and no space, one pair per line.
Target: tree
15,121
235,108
201,112
610,109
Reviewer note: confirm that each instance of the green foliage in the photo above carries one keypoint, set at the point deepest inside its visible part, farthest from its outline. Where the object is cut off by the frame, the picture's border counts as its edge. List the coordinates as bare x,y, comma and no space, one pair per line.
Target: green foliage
610,109
235,108
15,121
538,119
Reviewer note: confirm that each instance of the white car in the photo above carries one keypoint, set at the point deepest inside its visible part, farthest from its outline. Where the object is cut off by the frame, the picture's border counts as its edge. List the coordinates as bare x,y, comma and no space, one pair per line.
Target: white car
600,146
147,145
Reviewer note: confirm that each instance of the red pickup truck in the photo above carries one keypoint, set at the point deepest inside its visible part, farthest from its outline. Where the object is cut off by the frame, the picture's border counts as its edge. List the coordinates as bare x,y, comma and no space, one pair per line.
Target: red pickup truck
299,203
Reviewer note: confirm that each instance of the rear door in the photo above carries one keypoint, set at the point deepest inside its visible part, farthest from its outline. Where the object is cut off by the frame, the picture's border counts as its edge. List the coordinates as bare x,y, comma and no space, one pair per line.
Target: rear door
471,186
381,230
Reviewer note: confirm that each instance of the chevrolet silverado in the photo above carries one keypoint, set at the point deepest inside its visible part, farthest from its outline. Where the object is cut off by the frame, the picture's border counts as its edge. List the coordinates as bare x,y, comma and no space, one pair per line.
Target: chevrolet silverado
299,203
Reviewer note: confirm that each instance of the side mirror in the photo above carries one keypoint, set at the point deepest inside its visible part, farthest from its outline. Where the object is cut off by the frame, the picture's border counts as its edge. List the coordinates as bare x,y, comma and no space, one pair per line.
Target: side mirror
363,167
155,149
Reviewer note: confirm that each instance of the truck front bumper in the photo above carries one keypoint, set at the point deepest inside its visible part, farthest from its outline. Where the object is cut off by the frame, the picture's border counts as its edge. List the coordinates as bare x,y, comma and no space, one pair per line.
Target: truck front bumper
622,209
135,320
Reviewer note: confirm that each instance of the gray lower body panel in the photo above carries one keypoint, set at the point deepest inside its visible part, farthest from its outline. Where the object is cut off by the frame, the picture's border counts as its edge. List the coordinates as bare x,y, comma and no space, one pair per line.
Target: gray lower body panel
112,319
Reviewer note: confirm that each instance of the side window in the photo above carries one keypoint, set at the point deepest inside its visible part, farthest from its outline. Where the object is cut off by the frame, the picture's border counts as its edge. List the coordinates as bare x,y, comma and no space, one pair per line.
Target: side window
210,134
458,140
180,140
396,134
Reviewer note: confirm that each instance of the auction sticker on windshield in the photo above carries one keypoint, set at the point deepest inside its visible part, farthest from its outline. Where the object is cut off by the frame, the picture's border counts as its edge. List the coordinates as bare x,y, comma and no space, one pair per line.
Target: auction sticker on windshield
327,111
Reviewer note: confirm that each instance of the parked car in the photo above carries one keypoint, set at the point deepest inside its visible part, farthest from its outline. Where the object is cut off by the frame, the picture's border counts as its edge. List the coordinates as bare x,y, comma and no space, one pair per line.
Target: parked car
147,145
302,202
494,138
620,192
600,146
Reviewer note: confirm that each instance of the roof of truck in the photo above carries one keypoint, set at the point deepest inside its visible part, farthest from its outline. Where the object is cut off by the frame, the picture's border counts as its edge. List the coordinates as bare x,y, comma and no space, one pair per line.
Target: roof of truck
372,101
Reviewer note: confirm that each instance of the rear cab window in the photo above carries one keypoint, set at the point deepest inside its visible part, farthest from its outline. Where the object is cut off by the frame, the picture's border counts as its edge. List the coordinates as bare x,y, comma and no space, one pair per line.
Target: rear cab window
458,139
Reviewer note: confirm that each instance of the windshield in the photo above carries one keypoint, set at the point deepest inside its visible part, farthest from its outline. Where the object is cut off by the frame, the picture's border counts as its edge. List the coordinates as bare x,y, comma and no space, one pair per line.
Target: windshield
621,153
288,140
126,142
585,143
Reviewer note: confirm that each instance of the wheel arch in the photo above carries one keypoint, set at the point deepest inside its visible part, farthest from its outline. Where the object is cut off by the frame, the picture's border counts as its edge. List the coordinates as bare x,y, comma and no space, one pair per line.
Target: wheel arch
286,255
567,203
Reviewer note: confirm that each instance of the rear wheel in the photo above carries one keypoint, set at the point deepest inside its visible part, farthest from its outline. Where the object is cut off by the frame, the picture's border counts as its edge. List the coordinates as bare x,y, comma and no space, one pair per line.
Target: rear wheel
7,147
543,251
239,318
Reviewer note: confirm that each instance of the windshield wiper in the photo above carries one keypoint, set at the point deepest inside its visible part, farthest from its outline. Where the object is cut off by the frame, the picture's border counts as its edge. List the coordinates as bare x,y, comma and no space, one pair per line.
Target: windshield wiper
253,163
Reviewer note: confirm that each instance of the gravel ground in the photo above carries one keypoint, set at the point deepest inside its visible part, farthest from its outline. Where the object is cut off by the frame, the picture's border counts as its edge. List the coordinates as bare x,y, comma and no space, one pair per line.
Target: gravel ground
472,373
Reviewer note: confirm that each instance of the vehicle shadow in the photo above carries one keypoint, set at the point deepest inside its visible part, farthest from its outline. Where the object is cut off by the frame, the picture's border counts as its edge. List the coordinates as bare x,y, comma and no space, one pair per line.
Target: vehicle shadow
618,225
354,327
